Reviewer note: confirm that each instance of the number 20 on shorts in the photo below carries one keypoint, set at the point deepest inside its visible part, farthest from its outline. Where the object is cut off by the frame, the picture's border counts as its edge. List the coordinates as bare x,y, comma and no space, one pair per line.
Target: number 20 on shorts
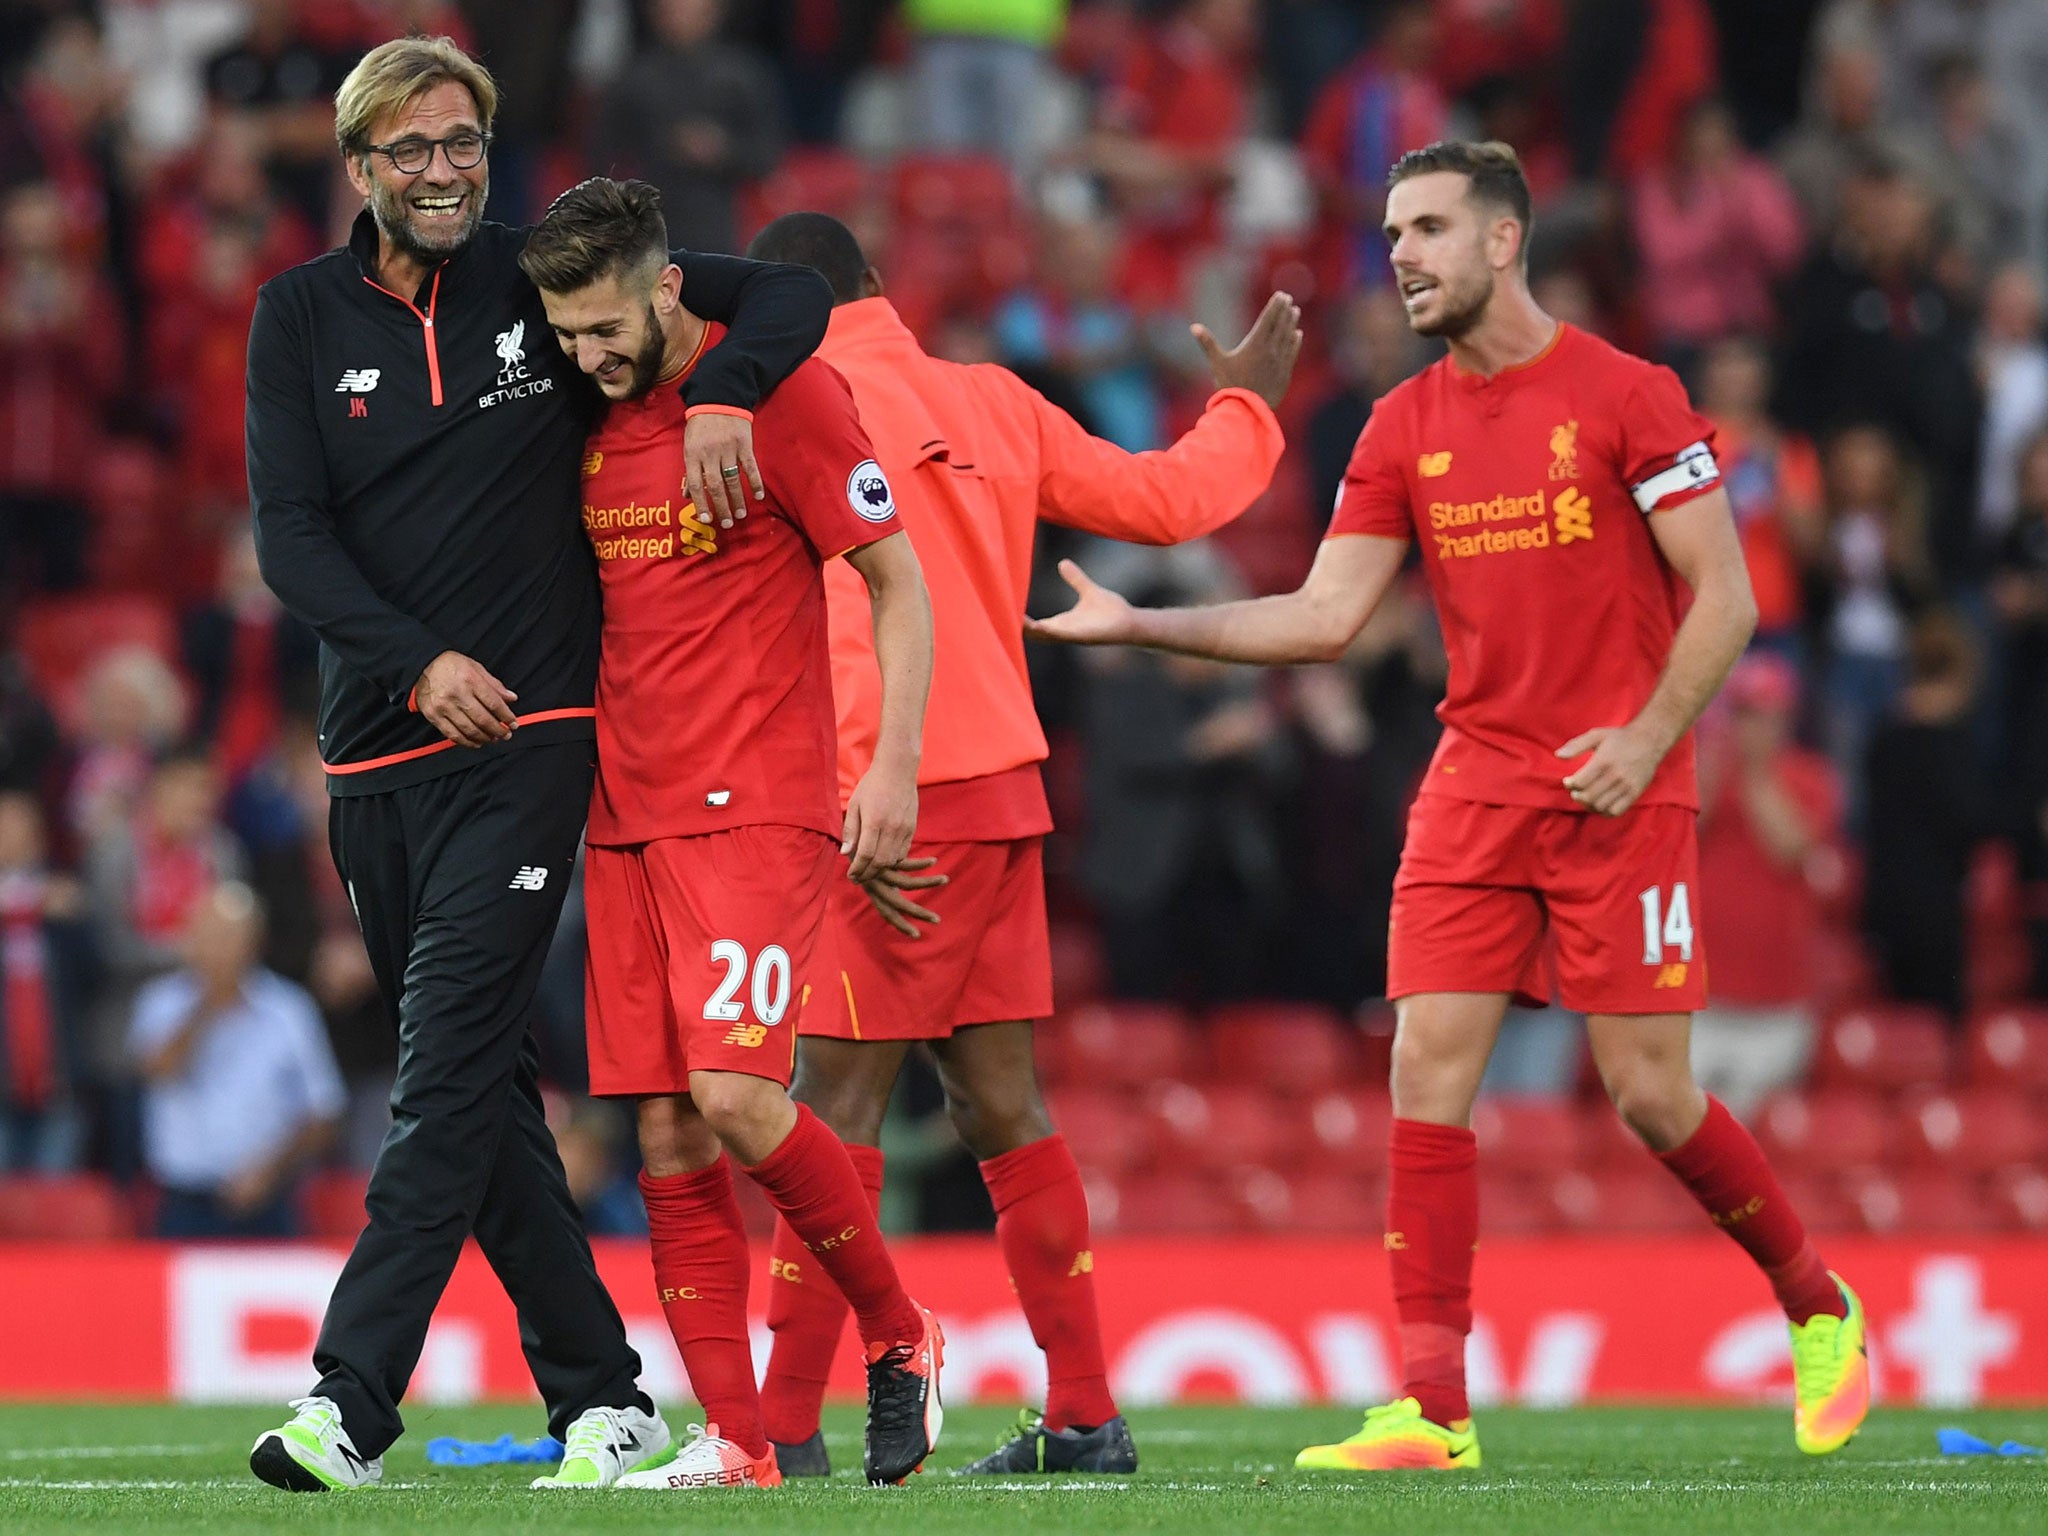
1666,927
769,992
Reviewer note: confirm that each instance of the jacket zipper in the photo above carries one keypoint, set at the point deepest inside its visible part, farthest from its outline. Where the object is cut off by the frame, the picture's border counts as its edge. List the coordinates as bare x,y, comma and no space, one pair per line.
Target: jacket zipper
426,318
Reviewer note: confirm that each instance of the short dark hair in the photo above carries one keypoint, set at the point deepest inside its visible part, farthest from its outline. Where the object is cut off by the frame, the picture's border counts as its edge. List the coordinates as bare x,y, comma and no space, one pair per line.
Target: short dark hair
1493,168
594,230
817,241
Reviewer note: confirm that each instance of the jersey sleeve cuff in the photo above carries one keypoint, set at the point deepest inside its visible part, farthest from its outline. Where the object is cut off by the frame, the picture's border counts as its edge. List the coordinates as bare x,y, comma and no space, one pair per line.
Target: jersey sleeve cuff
717,410
1250,397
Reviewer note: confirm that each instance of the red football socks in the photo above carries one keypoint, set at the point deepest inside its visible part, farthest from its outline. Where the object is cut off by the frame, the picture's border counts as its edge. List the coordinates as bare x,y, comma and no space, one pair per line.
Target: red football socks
1725,1170
700,1274
1042,1228
812,1183
1432,1225
805,1314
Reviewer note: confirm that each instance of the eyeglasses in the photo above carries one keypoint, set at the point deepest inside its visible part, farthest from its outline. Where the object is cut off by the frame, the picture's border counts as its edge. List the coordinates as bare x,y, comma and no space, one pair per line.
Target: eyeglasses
409,157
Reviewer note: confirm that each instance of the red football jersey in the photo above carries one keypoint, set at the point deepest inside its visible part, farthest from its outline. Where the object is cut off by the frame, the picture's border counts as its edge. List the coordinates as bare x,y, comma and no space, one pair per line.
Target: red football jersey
714,689
1531,493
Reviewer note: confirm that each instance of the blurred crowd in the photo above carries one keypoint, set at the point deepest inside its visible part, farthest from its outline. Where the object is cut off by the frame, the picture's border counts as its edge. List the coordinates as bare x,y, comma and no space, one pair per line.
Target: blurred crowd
1829,216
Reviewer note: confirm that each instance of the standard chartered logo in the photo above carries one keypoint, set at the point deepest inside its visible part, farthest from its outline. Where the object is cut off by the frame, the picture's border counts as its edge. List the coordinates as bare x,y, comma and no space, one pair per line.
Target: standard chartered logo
1506,524
1574,515
647,531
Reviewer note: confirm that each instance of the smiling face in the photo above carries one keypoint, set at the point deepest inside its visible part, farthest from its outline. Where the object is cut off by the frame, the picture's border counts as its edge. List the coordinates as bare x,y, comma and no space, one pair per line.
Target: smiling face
1448,251
429,216
613,328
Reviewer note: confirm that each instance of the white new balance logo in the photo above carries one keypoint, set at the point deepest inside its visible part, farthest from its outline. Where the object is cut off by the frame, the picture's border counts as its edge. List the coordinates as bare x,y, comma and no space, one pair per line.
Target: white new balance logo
358,381
531,877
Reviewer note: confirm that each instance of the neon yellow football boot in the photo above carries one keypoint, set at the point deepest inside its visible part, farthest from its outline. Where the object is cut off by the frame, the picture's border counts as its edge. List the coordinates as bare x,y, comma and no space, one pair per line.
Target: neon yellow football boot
1395,1438
1830,1377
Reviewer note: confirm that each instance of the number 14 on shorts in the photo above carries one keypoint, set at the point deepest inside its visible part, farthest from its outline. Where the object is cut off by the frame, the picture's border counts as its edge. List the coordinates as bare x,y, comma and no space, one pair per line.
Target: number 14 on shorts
1667,926
769,993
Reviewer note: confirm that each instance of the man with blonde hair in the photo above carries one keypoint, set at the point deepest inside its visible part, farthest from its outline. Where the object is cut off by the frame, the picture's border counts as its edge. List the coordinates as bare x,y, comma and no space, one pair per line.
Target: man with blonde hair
415,448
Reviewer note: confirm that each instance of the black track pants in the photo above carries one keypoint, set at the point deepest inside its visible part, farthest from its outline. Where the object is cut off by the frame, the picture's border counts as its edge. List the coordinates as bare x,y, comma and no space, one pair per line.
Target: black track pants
457,883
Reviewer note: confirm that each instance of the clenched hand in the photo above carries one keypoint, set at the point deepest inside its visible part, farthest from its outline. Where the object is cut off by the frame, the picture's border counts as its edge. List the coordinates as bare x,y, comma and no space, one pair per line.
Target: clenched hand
1620,769
462,701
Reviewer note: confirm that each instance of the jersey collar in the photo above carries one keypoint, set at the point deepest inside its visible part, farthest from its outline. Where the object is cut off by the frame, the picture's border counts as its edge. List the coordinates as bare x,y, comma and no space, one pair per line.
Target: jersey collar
866,323
1514,373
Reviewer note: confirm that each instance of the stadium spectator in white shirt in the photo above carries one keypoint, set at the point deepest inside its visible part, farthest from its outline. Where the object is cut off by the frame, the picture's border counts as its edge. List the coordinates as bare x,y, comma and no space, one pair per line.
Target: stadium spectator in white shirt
240,1089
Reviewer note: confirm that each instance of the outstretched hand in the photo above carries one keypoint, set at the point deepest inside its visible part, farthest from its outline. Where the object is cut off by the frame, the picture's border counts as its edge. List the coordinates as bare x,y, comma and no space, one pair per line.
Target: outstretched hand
1264,361
1101,617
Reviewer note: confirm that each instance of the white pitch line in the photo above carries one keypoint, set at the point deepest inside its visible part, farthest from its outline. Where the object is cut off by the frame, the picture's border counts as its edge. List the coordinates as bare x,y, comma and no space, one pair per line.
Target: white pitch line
143,1484
107,1484
990,1486
89,1452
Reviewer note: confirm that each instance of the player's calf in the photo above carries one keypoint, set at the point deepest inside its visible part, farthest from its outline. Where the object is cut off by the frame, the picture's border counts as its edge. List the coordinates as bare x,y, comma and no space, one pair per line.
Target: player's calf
847,1084
991,1086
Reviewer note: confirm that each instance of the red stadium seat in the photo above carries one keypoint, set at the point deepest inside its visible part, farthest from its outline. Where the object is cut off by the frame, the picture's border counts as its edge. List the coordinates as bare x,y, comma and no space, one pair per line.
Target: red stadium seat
1126,1044
1217,1128
1826,1132
973,190
331,1204
1105,1129
1374,1023
1923,1200
1886,1046
61,637
1292,1047
1647,1202
1079,970
1605,1141
1534,1135
1313,1201
1178,1203
1512,1206
2020,1197
810,179
1975,1132
66,1208
2009,1046
134,519
1844,974
1350,1128
1821,1204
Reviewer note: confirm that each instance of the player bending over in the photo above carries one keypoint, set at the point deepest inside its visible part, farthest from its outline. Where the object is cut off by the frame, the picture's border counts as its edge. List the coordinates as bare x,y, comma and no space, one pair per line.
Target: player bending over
1563,492
714,818
977,458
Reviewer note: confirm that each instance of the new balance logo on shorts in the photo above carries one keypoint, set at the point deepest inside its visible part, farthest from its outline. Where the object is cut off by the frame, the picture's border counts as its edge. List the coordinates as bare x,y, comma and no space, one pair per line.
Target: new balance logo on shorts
531,877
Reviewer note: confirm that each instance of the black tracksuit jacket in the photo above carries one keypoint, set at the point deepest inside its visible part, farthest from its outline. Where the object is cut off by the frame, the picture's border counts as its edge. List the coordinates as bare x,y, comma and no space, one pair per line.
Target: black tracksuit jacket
414,466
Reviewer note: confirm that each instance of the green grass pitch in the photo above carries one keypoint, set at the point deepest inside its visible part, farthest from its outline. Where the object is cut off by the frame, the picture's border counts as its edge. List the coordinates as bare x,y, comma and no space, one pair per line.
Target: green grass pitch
1224,1470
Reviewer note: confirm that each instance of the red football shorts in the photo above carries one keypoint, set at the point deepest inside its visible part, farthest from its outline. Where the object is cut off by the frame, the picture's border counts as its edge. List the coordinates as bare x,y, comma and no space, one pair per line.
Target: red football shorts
699,953
989,961
1482,887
